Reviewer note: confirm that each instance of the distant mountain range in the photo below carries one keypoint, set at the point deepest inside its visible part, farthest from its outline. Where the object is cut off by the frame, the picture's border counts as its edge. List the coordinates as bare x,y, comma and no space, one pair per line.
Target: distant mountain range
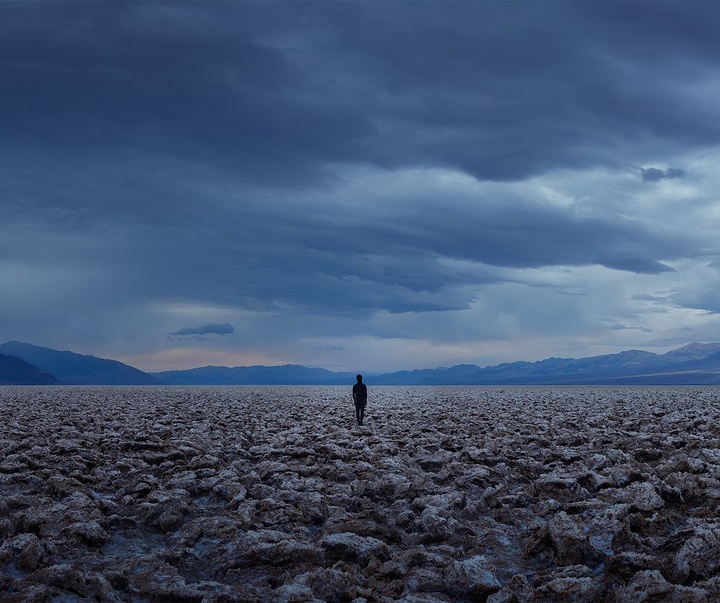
693,364
75,369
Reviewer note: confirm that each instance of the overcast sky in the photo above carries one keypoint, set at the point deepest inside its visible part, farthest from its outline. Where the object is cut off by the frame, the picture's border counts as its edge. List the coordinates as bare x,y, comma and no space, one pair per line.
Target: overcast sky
359,186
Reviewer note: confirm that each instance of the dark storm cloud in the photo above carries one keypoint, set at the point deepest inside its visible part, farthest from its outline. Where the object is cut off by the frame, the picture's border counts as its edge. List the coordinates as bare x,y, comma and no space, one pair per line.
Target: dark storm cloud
276,93
269,157
655,174
169,78
619,327
208,329
333,255
409,258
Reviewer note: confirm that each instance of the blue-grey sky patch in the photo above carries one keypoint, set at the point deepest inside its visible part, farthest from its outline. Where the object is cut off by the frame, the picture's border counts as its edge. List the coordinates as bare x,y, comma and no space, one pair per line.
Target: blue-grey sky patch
417,183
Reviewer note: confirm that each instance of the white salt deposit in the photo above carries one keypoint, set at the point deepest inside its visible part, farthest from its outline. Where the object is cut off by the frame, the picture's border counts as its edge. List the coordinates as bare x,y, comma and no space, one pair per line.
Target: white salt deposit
245,494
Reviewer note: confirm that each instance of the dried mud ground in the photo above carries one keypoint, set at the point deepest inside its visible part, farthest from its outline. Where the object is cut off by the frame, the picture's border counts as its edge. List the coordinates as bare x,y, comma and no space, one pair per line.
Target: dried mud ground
241,494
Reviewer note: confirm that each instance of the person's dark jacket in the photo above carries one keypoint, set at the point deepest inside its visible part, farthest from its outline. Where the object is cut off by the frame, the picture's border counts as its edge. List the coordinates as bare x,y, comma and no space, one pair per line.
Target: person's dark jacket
360,393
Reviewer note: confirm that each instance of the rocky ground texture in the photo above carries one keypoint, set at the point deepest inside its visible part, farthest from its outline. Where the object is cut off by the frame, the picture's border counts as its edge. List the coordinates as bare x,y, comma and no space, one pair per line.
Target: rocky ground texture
152,494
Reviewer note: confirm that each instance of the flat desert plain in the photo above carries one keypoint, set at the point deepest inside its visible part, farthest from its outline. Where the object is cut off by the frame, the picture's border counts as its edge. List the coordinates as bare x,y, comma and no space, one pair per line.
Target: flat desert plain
242,494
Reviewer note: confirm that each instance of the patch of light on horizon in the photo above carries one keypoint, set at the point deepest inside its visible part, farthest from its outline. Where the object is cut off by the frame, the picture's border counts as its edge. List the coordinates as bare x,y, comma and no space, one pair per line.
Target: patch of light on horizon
188,358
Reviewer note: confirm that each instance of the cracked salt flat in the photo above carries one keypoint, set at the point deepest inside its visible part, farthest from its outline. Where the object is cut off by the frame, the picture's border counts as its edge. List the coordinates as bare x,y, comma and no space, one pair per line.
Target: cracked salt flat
274,494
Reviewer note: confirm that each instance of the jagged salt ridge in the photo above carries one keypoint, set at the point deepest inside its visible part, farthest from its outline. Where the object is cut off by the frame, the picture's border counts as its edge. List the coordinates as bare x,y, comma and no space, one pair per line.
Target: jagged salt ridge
272,494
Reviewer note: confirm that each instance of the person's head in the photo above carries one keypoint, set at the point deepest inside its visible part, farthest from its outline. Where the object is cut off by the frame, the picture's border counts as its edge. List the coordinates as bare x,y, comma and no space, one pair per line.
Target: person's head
359,378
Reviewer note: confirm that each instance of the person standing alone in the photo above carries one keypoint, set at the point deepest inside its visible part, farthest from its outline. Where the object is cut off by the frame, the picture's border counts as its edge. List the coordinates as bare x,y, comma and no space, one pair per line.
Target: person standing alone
360,399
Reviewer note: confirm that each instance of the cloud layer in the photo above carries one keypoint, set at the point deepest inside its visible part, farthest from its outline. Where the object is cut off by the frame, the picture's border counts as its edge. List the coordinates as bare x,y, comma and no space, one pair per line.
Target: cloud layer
209,329
358,185
654,174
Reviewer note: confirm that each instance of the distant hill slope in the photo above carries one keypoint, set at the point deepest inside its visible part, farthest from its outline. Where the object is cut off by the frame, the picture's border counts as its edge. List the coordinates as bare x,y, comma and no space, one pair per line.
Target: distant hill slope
15,371
289,374
76,369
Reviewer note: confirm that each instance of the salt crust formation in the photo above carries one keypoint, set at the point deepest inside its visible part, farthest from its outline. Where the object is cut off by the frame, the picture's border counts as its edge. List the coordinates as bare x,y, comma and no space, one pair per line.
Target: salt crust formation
446,494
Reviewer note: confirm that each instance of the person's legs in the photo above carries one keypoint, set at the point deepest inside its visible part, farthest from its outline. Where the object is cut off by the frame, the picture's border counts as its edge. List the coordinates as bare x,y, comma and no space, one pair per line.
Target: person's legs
362,413
358,411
